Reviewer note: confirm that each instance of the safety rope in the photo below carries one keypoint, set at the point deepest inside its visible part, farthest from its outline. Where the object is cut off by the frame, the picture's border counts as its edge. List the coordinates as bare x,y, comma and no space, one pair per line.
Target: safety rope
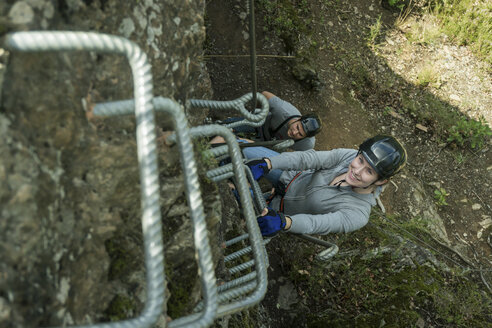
252,49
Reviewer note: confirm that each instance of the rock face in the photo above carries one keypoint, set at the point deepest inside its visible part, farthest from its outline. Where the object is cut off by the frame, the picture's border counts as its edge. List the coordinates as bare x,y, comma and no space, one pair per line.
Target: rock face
70,231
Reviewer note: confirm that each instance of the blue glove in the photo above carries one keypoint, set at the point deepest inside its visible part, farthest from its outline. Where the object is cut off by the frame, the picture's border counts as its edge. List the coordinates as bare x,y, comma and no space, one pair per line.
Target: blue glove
271,223
258,167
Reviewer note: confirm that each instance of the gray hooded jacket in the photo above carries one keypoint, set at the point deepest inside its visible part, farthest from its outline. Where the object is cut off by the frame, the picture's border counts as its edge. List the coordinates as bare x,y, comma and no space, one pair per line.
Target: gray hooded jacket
314,206
280,110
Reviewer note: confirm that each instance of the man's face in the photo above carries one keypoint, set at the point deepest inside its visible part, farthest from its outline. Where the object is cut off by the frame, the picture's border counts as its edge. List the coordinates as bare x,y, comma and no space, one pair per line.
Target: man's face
361,173
296,131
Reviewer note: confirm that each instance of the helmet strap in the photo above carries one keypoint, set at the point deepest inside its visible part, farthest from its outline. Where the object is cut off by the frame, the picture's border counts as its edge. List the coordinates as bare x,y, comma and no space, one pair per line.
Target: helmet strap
338,184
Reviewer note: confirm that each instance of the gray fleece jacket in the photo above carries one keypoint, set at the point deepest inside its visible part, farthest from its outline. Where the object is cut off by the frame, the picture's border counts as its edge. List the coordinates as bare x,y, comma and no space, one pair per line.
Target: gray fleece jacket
280,110
314,206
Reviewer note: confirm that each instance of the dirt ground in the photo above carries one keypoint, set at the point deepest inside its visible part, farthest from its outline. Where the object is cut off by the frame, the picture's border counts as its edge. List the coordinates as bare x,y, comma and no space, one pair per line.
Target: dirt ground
351,113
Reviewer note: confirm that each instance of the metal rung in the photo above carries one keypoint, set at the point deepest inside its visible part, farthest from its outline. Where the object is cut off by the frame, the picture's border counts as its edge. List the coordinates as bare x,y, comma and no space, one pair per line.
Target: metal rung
236,240
236,282
243,297
149,183
236,295
241,267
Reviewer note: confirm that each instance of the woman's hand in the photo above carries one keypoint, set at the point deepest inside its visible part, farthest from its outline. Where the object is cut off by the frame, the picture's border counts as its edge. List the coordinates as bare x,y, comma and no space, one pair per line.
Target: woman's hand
259,167
271,222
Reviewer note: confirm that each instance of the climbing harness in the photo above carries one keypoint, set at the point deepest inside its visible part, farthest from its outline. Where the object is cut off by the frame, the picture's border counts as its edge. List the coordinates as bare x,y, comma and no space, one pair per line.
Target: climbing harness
286,189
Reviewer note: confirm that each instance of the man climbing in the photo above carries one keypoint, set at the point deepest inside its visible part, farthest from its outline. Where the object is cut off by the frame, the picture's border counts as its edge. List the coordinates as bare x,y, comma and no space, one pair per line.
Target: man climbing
285,122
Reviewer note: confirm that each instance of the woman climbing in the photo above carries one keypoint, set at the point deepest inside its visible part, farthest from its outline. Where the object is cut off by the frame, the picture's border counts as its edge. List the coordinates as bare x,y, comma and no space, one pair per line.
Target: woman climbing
320,192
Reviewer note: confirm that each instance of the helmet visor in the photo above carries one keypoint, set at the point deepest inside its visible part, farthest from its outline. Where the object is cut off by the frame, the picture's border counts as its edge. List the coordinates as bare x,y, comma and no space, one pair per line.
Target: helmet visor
310,125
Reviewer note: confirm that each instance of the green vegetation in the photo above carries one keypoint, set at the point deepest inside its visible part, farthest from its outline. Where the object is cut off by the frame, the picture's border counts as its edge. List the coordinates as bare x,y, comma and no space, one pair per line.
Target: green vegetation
448,124
202,146
285,17
381,278
374,32
428,76
121,261
291,21
440,196
460,158
400,4
468,22
180,288
120,308
423,30
470,132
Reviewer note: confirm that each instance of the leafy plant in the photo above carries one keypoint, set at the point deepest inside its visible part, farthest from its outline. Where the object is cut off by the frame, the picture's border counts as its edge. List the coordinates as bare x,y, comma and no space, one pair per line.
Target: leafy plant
460,158
471,132
400,4
440,196
203,148
374,32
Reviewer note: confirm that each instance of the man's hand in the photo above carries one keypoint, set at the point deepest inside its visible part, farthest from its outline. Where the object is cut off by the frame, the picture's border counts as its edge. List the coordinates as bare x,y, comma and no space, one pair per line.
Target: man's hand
271,223
259,167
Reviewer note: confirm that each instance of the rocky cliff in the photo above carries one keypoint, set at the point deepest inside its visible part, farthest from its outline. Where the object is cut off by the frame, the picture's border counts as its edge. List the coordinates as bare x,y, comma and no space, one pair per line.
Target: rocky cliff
70,231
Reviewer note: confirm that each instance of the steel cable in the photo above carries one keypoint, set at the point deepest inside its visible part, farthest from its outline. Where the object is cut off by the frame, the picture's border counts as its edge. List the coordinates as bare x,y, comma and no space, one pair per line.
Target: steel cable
252,48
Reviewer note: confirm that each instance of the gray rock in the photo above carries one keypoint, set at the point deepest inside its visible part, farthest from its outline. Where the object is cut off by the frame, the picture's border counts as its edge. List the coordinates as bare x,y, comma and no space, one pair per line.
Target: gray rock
287,296
21,13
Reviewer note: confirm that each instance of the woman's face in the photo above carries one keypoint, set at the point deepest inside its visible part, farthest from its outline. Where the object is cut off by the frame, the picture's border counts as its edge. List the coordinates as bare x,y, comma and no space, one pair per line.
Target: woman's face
361,174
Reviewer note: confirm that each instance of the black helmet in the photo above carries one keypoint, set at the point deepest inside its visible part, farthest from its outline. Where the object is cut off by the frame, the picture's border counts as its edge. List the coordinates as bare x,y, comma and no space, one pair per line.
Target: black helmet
311,124
385,154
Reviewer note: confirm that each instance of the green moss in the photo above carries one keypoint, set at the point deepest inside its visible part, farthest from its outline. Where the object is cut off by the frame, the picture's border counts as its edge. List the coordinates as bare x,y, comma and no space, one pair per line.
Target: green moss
121,261
121,308
202,146
180,288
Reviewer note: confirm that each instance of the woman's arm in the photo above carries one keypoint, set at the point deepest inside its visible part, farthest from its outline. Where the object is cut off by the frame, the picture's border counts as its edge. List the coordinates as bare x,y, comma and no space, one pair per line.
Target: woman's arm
344,221
310,159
